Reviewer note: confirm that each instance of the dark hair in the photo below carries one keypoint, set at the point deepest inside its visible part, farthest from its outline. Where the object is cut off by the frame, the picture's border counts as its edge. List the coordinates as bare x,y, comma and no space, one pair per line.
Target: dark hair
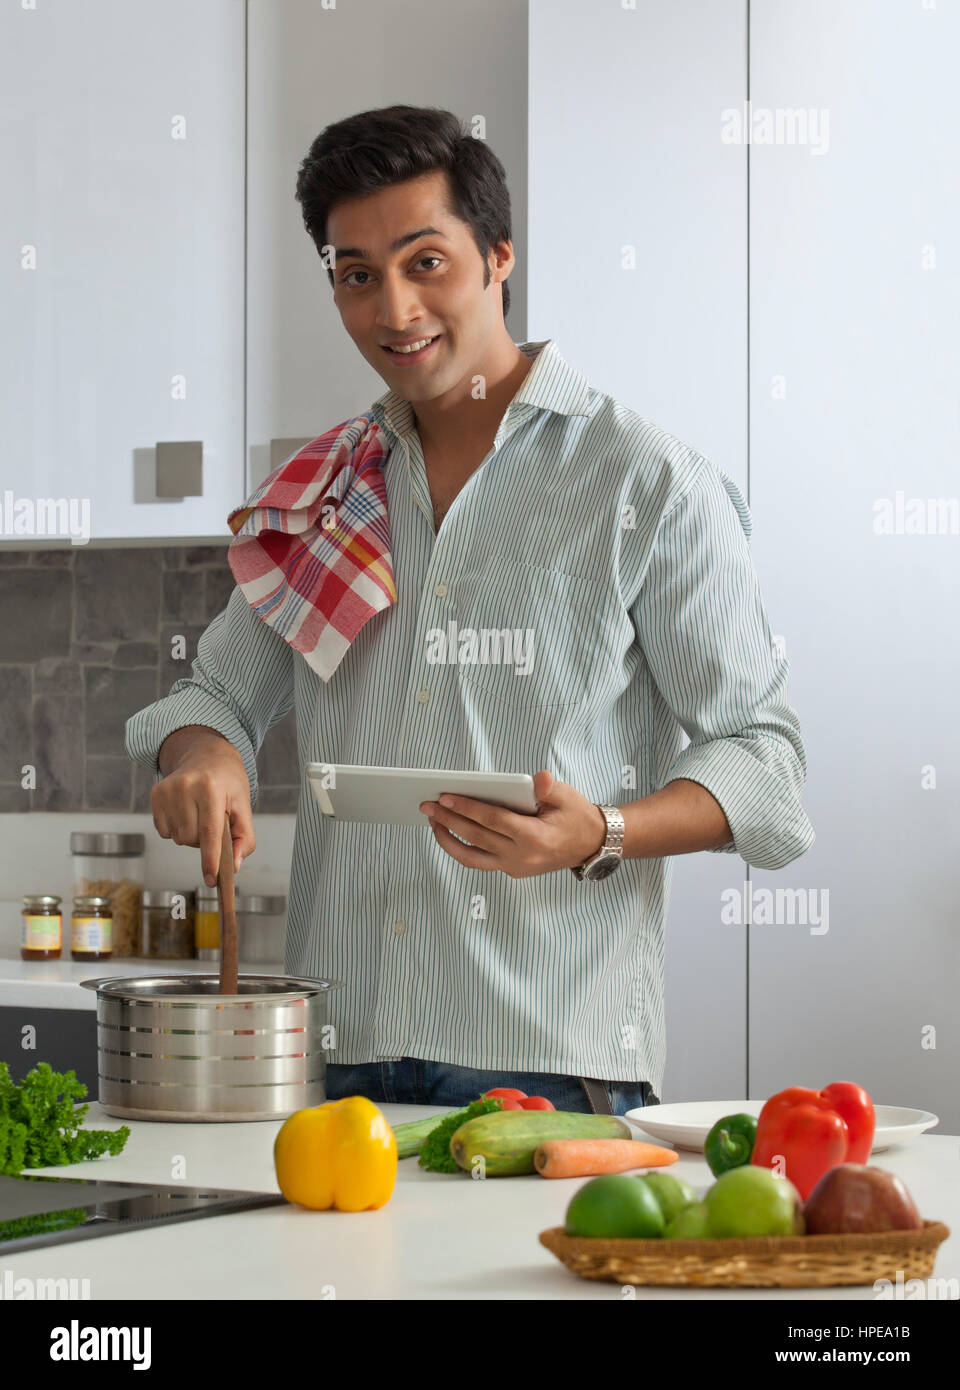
376,149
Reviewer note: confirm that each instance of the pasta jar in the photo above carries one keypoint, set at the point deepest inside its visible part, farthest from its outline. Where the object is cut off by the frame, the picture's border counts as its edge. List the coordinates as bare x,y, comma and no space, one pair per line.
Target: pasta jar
91,928
41,929
207,923
111,866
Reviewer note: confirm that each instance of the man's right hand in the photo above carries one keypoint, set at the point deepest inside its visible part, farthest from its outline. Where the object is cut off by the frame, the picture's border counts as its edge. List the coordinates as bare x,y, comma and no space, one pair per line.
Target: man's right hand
204,780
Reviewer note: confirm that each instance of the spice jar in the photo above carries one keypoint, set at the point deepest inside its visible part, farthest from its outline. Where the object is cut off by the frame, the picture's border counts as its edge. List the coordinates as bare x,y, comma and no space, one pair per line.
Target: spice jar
260,927
167,926
111,866
207,923
91,928
41,929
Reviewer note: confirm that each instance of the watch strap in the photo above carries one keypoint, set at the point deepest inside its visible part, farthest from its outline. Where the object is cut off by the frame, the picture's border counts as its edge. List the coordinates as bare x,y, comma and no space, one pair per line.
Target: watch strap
612,847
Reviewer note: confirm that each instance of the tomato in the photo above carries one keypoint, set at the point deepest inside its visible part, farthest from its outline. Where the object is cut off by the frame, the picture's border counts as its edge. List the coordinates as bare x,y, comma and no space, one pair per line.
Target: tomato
506,1092
509,1103
537,1103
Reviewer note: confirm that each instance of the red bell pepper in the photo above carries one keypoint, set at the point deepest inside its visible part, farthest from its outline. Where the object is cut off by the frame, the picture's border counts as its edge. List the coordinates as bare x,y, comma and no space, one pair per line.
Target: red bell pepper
801,1133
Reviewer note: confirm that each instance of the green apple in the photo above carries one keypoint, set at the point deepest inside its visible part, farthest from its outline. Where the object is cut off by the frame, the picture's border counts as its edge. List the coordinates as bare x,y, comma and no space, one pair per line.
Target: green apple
614,1206
688,1224
672,1193
753,1201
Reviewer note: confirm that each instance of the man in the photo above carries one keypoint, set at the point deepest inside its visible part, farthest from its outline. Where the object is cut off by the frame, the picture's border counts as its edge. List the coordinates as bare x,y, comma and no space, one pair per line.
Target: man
494,948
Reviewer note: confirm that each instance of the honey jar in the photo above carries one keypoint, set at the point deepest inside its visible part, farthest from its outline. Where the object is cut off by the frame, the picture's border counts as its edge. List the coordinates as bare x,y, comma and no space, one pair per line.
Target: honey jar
91,928
41,929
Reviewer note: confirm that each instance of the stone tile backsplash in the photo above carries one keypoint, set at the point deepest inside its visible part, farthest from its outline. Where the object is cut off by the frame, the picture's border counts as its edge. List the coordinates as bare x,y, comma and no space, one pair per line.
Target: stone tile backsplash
86,640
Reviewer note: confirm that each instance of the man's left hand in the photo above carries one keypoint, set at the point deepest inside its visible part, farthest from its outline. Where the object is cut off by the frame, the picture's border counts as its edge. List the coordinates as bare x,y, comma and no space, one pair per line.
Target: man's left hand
566,830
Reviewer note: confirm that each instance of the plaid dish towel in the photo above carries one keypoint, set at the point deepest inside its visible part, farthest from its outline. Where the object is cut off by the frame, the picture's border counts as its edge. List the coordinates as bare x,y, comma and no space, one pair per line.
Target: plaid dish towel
311,547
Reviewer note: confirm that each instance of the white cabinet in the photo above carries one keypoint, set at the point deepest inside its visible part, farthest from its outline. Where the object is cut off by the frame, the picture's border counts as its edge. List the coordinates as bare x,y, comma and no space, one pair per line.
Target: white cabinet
121,291
854,307
638,267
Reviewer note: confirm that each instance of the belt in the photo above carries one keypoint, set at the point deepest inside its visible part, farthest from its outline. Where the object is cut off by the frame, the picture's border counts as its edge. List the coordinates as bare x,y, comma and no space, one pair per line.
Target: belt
596,1094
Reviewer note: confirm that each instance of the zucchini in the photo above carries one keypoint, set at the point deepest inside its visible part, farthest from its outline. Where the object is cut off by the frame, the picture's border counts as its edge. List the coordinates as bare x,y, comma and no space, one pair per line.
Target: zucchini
507,1139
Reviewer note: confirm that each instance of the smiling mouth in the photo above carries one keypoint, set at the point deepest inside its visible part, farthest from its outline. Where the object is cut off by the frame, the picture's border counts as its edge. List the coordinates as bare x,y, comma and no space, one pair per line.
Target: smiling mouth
400,356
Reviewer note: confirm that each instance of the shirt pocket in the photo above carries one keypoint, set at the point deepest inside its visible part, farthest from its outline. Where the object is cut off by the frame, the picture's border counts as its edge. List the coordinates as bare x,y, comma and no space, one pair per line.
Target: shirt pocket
542,638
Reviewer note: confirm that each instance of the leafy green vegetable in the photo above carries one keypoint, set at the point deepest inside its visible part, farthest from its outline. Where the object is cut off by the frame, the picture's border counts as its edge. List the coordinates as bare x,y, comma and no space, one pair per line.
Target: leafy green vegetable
435,1153
40,1126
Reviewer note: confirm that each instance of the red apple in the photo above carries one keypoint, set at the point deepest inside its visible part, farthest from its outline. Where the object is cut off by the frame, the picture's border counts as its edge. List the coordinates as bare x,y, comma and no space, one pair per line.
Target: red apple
856,1197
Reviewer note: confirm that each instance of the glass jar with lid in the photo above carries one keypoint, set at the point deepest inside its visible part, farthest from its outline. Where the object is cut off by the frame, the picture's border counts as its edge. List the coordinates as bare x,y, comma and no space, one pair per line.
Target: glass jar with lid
91,934
207,923
261,920
41,928
111,866
167,926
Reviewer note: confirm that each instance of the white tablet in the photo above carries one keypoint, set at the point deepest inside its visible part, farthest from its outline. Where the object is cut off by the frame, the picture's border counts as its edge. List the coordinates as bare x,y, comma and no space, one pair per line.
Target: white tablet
392,795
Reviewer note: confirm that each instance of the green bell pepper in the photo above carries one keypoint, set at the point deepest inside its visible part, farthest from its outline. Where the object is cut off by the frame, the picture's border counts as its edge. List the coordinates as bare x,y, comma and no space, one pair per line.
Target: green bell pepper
730,1143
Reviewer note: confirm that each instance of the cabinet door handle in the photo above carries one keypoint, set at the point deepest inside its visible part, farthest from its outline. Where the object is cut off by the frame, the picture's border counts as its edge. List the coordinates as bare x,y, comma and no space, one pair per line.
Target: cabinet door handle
180,468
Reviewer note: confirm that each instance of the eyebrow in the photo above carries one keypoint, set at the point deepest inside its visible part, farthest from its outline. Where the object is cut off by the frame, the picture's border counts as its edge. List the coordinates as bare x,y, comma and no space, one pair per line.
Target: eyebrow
343,252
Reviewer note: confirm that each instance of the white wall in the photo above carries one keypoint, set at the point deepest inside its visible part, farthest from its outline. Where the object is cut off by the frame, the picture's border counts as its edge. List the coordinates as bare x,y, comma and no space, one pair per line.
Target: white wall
625,152
855,358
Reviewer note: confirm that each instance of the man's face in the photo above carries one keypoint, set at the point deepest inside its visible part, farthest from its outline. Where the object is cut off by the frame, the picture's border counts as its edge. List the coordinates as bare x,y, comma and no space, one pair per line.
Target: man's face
431,287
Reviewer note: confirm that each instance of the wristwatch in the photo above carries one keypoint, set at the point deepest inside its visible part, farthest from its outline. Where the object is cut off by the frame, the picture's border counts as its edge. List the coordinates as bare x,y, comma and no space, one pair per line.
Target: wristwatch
610,854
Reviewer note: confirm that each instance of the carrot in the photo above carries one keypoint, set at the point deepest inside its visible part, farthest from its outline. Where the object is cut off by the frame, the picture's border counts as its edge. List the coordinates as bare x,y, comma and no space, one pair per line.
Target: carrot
581,1158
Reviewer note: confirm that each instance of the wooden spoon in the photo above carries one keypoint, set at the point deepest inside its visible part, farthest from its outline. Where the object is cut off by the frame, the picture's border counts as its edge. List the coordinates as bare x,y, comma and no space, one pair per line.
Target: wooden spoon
228,915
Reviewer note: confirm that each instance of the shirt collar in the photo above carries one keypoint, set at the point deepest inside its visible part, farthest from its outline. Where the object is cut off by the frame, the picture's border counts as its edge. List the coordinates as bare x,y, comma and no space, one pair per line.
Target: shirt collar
550,384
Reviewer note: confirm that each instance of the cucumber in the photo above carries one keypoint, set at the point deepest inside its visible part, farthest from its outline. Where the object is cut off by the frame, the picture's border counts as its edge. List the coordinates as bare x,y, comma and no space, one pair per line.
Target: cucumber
507,1139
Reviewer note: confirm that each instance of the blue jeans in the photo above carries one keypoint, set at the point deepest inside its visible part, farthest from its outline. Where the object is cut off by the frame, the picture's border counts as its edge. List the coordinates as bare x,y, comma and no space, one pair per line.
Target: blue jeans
413,1081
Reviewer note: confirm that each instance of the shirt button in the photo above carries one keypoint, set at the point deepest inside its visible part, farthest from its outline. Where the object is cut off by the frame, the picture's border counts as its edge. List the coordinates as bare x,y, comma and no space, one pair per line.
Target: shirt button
423,696
441,590
400,927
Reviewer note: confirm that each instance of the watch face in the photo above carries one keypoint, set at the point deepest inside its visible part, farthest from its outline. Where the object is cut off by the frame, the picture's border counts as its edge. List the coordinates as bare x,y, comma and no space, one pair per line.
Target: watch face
603,868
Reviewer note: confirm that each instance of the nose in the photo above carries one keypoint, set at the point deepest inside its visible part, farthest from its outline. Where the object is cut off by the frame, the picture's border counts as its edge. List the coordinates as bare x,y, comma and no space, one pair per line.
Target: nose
398,306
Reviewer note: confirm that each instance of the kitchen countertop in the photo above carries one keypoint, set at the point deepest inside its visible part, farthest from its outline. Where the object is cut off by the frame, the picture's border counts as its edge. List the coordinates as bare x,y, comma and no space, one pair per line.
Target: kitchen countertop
440,1236
52,984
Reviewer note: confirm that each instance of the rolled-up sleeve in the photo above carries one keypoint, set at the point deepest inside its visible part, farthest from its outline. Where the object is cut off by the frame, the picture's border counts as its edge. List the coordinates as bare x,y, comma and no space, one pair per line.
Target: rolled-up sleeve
241,684
701,623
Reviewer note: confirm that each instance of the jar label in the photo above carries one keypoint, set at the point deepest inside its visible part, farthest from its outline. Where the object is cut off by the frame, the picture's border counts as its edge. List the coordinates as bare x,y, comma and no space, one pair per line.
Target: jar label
90,934
41,932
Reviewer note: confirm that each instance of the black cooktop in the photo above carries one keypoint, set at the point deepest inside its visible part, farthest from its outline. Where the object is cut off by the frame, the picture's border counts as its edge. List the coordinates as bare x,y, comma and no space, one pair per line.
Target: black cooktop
39,1209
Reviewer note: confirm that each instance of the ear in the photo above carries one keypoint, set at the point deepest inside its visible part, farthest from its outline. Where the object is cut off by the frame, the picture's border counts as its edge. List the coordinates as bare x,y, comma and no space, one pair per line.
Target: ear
501,260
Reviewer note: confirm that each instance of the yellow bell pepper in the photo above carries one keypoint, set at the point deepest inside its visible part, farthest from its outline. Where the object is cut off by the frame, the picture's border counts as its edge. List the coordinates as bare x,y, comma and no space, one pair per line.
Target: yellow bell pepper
341,1154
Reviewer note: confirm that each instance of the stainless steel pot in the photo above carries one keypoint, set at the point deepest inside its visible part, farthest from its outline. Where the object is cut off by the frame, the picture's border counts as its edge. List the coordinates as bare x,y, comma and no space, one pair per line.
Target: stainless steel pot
171,1047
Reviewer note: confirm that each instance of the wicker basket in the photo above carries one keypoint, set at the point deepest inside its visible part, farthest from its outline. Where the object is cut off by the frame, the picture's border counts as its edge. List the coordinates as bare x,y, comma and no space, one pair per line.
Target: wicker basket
789,1262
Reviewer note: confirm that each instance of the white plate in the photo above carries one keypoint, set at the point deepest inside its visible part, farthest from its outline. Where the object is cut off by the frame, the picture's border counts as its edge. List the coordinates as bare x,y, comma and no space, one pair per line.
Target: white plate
687,1124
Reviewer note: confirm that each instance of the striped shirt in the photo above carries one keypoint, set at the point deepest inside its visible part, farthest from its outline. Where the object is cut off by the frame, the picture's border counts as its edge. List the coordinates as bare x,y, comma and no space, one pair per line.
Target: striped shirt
617,559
